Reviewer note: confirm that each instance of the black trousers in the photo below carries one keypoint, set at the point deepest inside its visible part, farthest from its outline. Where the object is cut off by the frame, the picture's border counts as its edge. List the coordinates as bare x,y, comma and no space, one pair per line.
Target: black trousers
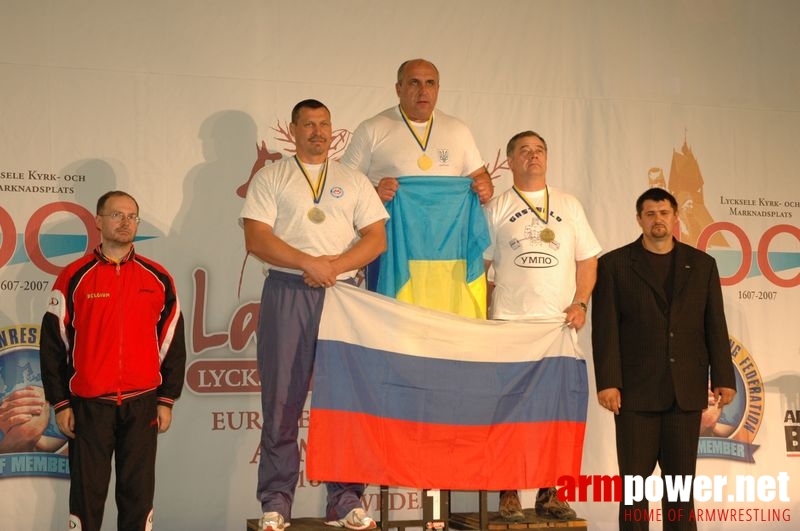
128,432
668,438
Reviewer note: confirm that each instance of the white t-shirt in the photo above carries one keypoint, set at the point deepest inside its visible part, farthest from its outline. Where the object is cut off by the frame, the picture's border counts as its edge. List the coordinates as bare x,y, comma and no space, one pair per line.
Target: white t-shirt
535,278
280,196
383,146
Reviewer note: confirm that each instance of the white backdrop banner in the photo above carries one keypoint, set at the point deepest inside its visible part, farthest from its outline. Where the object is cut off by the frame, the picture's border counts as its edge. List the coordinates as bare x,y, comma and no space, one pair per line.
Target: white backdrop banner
171,101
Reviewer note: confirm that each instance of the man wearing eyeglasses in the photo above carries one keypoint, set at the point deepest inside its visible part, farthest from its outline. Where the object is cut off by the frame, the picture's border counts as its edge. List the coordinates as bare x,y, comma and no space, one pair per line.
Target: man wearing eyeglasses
113,356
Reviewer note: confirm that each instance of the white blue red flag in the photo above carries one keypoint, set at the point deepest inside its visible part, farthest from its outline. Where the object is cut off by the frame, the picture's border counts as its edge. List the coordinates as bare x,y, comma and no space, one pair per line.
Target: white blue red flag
406,396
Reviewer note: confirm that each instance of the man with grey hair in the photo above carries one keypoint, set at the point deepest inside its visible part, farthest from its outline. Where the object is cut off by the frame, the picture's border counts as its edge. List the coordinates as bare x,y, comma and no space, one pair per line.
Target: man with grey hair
544,255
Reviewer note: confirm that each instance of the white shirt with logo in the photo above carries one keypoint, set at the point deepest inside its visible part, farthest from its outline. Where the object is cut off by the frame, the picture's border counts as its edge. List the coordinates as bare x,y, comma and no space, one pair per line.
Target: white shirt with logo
534,277
280,196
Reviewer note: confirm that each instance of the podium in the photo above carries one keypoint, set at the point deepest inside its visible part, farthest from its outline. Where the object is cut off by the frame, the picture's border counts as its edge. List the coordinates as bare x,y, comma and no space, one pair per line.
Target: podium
484,520
436,516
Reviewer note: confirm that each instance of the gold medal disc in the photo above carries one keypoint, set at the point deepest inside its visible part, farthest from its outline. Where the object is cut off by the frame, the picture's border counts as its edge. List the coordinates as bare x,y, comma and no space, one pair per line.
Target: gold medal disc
316,215
547,235
424,162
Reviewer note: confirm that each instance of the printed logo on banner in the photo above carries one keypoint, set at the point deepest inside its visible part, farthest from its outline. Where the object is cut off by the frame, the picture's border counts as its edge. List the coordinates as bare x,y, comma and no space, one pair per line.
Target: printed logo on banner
728,433
39,244
791,421
232,376
30,442
64,220
765,256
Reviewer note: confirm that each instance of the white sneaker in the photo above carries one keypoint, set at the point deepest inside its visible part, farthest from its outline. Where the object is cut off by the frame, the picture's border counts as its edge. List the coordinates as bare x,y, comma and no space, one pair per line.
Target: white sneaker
356,519
272,521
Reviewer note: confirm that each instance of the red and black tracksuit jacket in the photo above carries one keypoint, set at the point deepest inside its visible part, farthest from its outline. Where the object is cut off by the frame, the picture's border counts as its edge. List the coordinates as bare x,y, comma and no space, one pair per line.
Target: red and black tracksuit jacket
114,331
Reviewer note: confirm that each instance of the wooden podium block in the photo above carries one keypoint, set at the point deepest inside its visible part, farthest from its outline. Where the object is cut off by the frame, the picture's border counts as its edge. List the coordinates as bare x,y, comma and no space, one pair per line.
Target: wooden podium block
298,524
483,520
466,521
318,524
532,521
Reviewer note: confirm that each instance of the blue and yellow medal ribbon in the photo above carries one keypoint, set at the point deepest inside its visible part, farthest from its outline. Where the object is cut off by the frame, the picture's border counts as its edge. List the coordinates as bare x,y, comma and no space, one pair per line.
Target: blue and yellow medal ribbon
316,191
424,162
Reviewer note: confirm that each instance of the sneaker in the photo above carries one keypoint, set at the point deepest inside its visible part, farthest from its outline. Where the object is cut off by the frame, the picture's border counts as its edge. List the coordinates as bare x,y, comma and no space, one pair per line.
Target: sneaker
510,506
356,519
272,521
548,504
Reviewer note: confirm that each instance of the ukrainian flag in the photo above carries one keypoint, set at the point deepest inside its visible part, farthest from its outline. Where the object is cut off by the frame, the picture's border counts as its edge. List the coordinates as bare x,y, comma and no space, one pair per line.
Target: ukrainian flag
436,235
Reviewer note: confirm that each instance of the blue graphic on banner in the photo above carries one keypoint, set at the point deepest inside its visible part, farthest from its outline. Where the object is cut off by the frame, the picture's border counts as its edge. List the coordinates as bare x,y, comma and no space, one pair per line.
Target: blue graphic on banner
34,465
727,449
729,262
30,441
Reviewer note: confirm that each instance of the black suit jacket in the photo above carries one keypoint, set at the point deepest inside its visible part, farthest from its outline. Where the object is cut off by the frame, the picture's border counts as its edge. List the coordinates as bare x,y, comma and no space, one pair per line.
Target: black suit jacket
653,351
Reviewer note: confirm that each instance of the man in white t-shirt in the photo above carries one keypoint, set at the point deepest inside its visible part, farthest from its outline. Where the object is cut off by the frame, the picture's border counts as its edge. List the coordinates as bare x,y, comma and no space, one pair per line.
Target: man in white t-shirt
313,222
544,256
412,138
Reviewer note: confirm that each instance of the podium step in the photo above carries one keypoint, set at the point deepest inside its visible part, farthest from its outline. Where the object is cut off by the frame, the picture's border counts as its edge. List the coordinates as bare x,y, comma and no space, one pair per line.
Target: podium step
532,521
298,524
465,521
318,524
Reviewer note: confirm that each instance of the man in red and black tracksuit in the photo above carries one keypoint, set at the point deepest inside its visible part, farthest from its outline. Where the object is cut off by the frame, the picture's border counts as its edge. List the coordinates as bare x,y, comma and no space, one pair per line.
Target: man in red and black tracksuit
113,356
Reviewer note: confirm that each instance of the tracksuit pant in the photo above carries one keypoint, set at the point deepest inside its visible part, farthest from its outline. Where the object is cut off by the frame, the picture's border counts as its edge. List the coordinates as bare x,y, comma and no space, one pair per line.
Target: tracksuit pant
287,338
128,432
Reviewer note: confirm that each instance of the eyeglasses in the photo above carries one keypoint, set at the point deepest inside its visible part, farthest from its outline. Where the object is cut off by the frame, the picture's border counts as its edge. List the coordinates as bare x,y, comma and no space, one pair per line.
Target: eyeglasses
119,216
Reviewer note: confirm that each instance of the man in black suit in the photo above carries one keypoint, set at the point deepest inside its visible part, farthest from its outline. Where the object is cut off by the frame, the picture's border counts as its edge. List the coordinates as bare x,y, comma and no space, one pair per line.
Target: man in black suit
658,330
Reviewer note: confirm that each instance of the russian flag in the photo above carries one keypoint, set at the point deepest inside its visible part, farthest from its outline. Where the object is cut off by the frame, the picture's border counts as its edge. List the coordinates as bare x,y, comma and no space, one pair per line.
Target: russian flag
406,396
436,235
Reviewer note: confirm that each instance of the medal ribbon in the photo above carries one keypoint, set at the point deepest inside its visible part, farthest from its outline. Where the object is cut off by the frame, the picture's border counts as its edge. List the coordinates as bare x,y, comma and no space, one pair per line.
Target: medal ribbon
316,191
544,219
423,145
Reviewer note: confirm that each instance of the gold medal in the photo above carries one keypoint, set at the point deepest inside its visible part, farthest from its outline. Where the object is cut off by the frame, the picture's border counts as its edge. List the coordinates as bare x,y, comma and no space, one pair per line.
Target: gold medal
316,215
547,235
424,162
